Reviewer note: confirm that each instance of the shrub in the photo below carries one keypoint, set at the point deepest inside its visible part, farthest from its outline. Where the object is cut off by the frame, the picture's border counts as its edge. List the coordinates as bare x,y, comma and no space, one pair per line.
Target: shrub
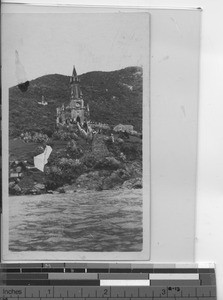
66,163
108,163
63,172
89,160
48,132
63,135
55,156
73,150
38,150
114,148
132,151
36,137
39,137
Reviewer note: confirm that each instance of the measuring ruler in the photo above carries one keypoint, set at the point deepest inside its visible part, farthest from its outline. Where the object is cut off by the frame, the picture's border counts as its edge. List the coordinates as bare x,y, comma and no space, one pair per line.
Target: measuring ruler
107,281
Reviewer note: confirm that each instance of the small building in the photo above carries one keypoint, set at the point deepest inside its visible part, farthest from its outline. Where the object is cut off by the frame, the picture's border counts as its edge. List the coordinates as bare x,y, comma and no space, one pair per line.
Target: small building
43,102
123,128
16,169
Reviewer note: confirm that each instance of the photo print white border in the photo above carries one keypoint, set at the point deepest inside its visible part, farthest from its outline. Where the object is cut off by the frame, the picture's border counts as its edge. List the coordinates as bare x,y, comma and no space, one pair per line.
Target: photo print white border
143,255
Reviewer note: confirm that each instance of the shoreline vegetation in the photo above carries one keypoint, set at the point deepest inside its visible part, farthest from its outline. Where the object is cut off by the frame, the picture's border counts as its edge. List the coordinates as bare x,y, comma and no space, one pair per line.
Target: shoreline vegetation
110,161
94,131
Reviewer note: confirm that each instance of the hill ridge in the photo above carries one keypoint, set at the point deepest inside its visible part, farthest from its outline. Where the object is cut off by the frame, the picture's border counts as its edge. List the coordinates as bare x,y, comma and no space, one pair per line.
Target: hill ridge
113,96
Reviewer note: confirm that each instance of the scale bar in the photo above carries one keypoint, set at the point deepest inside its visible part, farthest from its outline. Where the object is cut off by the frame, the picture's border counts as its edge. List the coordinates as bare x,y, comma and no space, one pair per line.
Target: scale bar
124,282
172,276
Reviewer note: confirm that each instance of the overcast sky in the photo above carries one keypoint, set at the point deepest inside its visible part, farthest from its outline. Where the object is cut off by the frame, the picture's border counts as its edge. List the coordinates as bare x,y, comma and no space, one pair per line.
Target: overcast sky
49,43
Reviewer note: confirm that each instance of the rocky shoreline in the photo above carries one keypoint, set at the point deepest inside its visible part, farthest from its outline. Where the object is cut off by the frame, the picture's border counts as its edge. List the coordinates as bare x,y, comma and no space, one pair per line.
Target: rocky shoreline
69,189
91,181
105,163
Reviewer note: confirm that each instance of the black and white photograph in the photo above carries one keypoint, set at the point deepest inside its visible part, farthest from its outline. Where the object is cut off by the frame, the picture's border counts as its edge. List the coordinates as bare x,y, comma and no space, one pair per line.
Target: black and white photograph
76,125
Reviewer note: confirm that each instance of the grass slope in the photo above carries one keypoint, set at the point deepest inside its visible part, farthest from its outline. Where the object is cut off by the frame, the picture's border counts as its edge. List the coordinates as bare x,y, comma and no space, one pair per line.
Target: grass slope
113,97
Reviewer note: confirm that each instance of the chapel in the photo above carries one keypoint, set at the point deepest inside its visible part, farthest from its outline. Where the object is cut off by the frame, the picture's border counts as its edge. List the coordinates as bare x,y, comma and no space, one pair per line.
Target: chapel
76,111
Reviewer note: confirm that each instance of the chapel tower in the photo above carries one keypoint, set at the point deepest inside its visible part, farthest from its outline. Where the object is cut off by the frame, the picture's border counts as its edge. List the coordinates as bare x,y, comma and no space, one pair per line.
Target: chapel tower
76,99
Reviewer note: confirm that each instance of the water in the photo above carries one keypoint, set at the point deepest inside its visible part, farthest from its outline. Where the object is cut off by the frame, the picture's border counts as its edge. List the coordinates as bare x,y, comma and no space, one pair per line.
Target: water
87,221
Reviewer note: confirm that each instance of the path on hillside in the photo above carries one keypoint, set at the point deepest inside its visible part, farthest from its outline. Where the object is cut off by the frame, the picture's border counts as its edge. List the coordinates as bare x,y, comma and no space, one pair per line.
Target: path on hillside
99,149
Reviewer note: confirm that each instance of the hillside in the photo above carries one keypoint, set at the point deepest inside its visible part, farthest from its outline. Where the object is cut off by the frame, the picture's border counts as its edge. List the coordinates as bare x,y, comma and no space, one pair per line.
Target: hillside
113,97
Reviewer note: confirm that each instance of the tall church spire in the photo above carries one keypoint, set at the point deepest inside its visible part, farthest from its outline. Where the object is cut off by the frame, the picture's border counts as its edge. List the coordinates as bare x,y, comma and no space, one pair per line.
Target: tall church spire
74,74
75,112
74,77
75,85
